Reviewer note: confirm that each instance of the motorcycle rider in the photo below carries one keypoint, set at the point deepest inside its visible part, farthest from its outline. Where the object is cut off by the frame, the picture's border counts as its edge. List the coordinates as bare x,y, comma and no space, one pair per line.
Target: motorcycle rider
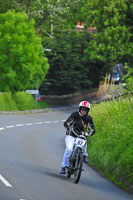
82,124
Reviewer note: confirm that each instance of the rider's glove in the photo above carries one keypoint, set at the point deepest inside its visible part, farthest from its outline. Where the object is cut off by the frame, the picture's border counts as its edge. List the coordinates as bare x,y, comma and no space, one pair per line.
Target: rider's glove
86,134
67,125
69,128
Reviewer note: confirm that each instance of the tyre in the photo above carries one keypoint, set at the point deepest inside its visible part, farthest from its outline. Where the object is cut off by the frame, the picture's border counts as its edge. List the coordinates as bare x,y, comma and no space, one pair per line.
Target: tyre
68,172
78,167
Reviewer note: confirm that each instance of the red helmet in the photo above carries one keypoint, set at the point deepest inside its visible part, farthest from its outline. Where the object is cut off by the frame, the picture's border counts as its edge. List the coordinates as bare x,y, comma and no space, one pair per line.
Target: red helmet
84,105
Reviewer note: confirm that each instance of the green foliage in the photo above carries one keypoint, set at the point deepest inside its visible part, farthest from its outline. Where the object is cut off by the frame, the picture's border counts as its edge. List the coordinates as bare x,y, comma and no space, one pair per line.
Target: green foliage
47,14
128,79
66,61
8,99
6,5
73,71
63,14
19,101
41,105
2,103
112,41
22,63
93,56
6,102
24,101
110,150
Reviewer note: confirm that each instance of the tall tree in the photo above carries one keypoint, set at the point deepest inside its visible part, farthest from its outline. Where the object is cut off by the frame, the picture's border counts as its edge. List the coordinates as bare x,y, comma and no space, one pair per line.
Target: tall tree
70,70
48,14
112,41
22,61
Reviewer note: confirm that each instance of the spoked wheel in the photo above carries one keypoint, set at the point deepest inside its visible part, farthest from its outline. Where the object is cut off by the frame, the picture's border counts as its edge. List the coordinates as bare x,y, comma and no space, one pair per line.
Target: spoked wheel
78,167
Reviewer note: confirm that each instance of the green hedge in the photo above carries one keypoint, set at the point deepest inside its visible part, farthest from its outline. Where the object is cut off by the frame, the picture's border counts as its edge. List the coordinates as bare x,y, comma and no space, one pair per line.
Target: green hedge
24,101
19,101
110,150
7,102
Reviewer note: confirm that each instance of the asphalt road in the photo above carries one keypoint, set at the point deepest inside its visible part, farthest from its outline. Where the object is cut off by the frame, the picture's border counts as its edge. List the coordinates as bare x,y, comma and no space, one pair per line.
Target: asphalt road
31,151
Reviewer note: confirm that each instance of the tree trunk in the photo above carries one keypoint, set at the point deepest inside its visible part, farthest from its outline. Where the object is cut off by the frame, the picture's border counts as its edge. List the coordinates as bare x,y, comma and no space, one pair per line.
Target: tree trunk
28,8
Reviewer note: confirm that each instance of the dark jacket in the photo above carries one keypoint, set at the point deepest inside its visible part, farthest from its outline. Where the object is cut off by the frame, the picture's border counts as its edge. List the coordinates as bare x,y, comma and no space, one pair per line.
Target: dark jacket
80,124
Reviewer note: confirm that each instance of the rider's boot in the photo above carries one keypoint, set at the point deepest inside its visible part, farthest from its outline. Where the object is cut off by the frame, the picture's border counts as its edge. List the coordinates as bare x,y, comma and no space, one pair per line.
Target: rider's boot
63,171
85,160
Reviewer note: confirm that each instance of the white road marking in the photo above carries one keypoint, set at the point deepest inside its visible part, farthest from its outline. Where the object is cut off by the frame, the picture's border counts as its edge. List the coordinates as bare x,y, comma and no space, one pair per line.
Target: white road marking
5,181
19,124
2,128
29,124
63,120
38,122
11,126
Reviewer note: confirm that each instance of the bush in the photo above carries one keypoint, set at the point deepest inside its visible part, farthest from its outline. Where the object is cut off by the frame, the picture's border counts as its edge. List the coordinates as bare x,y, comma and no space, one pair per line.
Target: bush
24,101
128,79
6,102
110,150
19,101
2,103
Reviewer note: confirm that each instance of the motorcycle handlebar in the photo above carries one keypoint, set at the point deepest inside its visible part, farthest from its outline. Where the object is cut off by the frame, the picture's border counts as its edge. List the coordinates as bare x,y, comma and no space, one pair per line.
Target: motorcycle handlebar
70,128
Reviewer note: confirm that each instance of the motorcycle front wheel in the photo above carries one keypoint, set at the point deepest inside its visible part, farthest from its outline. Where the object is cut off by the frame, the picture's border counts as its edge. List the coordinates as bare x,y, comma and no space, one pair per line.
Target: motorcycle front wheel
68,173
78,167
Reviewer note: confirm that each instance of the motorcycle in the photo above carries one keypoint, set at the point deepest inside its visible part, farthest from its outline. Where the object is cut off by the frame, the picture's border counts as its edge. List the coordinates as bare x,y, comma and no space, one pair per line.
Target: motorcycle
76,159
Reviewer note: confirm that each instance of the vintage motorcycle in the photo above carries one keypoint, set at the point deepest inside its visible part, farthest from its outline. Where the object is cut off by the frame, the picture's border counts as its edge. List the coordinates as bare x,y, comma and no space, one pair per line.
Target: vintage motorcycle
76,159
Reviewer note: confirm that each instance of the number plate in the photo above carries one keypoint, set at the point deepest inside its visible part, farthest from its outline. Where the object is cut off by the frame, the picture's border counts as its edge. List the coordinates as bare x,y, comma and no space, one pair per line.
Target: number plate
80,142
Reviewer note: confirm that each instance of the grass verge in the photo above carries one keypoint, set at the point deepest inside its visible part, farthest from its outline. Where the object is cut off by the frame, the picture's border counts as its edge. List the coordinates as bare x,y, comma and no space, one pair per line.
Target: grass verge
110,150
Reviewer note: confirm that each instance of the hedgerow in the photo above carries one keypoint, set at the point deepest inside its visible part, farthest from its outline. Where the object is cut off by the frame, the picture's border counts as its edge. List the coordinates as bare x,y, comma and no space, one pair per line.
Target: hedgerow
110,149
